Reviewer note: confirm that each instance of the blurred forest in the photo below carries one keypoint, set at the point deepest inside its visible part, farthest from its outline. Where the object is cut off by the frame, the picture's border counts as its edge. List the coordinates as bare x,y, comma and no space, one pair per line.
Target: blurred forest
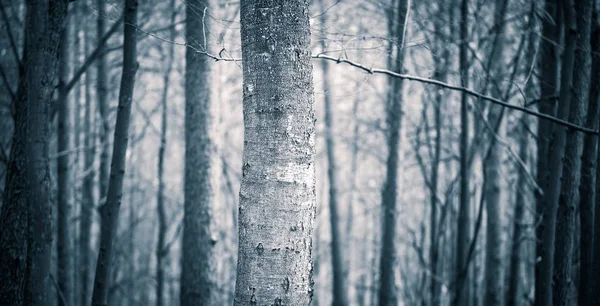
324,152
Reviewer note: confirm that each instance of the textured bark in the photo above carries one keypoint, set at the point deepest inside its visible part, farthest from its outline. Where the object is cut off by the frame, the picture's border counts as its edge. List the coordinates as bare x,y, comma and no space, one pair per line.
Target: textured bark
339,279
161,252
277,194
64,242
494,250
110,210
197,286
549,70
556,153
565,223
515,266
463,291
87,201
14,217
587,189
387,263
45,23
102,97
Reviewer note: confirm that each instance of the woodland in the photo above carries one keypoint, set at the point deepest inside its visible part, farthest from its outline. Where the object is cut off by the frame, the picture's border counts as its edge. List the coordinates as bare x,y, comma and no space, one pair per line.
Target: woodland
299,152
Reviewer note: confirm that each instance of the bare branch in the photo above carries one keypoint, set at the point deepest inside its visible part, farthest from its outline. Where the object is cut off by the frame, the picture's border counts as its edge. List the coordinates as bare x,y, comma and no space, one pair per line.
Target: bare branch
13,44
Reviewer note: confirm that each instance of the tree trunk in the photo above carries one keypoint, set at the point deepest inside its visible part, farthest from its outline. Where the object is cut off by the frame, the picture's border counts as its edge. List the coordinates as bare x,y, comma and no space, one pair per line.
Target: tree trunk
595,100
64,243
14,241
556,153
277,194
161,252
387,263
102,97
578,17
197,285
87,201
110,210
518,237
587,188
494,269
549,69
45,23
339,279
463,292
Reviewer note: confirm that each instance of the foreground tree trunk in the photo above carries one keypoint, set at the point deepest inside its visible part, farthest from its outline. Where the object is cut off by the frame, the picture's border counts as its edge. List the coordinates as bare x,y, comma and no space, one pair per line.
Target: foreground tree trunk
45,23
277,195
387,263
196,277
578,15
14,217
549,68
64,242
110,210
589,261
556,154
339,279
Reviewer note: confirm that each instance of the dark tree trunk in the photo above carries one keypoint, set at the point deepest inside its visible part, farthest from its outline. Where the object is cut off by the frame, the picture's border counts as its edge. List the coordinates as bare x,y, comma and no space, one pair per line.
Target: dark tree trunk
578,26
588,211
277,195
110,210
102,98
45,23
549,68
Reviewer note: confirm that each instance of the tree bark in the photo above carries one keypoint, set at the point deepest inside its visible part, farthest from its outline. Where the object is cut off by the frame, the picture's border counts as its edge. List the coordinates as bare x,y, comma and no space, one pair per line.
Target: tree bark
197,285
45,23
277,194
110,210
14,242
556,153
387,263
339,283
161,251
579,27
64,243
589,264
463,292
549,70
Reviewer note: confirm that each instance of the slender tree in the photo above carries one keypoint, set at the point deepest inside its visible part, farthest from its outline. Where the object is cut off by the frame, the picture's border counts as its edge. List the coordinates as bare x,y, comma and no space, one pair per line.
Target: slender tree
102,98
494,269
339,286
277,195
161,251
387,286
462,294
196,277
110,210
64,242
